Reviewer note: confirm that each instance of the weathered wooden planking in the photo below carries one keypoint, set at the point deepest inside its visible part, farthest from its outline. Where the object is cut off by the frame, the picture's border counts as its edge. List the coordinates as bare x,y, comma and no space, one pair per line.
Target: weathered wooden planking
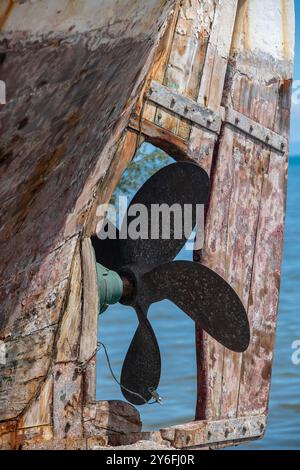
67,342
8,435
33,299
201,149
27,362
217,54
241,254
39,410
202,143
28,437
160,137
258,370
249,161
214,255
207,433
185,45
264,295
67,401
90,313
59,130
251,90
105,418
187,56
158,68
191,111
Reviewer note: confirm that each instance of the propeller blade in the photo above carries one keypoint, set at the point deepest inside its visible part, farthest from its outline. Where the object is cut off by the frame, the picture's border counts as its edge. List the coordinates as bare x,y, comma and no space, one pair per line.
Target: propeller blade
205,296
179,183
107,247
142,365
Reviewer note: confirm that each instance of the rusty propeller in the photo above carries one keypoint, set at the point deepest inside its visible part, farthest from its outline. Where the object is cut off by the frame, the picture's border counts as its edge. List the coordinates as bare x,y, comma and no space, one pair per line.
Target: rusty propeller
148,266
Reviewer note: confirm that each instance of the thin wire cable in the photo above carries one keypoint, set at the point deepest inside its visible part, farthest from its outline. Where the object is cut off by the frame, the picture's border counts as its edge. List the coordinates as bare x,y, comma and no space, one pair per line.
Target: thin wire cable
99,345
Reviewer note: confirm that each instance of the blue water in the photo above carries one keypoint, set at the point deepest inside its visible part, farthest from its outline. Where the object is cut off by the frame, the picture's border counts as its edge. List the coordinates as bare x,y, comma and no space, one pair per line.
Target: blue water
175,334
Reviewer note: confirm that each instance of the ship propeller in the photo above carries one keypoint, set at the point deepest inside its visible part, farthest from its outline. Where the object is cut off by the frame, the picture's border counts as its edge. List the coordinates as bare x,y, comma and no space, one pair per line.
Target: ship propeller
147,266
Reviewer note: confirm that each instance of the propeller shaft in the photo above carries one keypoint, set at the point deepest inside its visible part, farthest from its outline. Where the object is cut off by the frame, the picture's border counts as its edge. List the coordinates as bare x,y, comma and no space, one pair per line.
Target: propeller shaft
112,287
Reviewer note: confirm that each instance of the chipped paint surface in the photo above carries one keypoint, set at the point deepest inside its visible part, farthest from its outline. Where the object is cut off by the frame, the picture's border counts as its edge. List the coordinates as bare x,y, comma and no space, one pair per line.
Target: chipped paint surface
73,71
79,16
70,95
254,21
265,34
245,219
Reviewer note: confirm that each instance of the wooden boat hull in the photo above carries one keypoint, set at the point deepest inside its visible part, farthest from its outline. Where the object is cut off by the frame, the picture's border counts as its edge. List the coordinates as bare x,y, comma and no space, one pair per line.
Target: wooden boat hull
73,75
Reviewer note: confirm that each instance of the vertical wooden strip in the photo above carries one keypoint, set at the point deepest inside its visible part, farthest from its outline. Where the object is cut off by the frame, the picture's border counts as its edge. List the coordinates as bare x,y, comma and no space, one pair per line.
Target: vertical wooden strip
210,352
201,149
67,379
250,160
264,295
158,68
90,312
212,83
186,59
202,143
124,153
67,401
257,361
69,331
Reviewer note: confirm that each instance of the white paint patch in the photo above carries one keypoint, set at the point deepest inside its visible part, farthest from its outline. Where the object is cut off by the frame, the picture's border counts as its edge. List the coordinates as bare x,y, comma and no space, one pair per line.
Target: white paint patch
43,16
267,26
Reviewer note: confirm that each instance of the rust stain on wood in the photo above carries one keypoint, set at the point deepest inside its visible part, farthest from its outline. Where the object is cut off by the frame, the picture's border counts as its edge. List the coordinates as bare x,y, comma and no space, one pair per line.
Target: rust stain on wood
7,12
285,32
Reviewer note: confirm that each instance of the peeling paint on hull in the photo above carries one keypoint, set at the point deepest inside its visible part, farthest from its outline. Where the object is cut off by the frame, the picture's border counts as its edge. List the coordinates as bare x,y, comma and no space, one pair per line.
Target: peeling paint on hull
69,93
73,80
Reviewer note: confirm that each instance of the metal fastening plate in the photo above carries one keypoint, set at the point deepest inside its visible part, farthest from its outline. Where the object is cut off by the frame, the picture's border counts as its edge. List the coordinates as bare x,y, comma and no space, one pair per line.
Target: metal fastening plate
184,107
205,117
255,130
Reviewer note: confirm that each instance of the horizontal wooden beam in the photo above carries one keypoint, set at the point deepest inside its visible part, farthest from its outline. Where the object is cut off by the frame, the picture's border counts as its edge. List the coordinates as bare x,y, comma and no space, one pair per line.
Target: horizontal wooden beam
207,433
184,107
162,138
